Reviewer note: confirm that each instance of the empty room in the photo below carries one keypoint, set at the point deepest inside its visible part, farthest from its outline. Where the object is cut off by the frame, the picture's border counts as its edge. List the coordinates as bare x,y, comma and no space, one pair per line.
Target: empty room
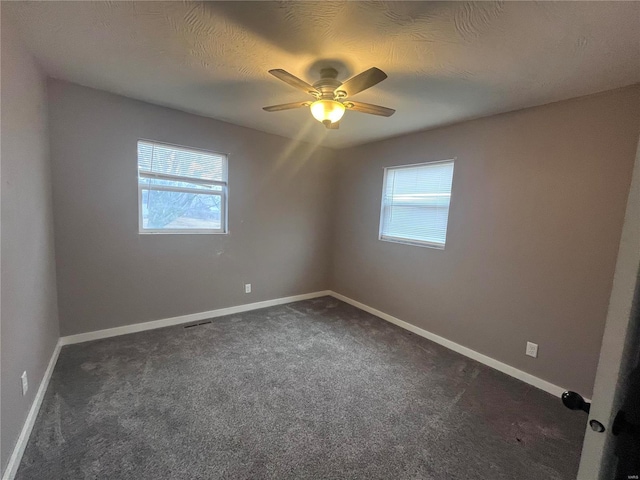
320,240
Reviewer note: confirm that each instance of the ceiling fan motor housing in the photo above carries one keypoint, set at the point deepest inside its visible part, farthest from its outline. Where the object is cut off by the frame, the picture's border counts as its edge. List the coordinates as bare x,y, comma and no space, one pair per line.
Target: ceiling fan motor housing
327,84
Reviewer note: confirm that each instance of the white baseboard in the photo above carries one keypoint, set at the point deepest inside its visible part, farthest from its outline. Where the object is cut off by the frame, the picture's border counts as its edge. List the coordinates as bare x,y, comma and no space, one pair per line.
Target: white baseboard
192,317
467,352
16,456
195,317
23,439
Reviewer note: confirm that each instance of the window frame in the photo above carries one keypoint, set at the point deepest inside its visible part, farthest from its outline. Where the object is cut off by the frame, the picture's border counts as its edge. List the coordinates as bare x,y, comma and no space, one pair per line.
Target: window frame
223,193
406,241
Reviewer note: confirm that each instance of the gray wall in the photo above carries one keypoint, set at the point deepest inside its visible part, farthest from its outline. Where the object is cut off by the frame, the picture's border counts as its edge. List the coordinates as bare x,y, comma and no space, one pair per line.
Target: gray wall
536,213
109,275
28,294
537,208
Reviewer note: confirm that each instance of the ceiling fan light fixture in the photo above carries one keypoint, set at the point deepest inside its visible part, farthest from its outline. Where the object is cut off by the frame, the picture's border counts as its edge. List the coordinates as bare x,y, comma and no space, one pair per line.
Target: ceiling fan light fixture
332,97
323,110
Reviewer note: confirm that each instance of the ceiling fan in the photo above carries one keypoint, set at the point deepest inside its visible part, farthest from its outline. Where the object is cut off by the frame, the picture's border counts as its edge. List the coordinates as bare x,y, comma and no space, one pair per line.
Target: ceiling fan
331,95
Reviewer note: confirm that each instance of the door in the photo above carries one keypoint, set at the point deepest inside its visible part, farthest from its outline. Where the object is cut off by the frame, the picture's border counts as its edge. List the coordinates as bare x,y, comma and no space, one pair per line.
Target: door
614,452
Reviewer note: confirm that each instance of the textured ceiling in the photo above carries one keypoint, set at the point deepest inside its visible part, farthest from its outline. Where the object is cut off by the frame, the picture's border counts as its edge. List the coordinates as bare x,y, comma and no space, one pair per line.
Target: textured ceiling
446,61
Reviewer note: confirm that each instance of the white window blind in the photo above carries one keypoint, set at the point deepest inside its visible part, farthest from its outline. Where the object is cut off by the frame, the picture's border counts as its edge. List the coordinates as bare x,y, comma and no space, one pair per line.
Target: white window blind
181,190
415,203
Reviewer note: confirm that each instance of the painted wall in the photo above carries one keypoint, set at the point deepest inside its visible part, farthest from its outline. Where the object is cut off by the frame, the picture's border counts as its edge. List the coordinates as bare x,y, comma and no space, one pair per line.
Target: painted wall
28,309
537,207
109,275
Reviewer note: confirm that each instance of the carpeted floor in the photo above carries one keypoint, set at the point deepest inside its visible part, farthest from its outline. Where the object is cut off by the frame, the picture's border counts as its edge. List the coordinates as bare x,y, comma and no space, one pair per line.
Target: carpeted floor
314,389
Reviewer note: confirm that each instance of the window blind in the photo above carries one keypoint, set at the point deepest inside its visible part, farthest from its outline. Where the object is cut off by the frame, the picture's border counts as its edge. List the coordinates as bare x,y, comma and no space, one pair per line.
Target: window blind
415,203
157,158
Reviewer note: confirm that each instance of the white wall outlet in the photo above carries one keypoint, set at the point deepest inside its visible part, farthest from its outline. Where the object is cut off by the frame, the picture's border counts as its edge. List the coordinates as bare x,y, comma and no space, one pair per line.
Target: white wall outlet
247,288
532,349
25,383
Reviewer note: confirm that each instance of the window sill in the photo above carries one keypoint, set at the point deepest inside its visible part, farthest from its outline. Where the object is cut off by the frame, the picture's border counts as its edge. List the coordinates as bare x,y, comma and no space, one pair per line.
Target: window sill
187,232
414,243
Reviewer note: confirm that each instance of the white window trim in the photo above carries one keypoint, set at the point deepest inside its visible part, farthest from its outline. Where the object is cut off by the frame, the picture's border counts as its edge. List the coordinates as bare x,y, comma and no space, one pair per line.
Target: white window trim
405,241
224,194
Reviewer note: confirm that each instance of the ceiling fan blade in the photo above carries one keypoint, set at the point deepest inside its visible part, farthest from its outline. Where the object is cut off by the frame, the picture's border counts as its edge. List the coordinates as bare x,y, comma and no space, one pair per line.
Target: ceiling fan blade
362,81
369,108
294,81
285,106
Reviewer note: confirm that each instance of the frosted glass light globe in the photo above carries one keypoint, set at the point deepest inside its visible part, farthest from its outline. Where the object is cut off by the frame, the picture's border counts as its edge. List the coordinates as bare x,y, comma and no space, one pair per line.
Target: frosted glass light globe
323,110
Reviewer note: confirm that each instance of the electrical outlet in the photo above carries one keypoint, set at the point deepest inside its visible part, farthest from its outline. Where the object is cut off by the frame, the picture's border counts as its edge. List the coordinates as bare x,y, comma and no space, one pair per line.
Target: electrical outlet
532,349
25,383
247,288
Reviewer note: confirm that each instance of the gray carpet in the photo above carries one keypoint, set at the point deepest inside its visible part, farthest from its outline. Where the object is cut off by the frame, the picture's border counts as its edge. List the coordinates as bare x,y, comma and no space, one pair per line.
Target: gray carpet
314,389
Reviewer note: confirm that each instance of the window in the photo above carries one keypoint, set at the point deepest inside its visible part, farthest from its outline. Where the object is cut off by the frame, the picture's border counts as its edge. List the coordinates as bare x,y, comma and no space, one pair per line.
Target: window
181,190
415,203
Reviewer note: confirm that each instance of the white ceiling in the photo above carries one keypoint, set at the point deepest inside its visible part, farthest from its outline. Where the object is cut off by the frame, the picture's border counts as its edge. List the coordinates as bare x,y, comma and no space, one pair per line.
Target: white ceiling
446,61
